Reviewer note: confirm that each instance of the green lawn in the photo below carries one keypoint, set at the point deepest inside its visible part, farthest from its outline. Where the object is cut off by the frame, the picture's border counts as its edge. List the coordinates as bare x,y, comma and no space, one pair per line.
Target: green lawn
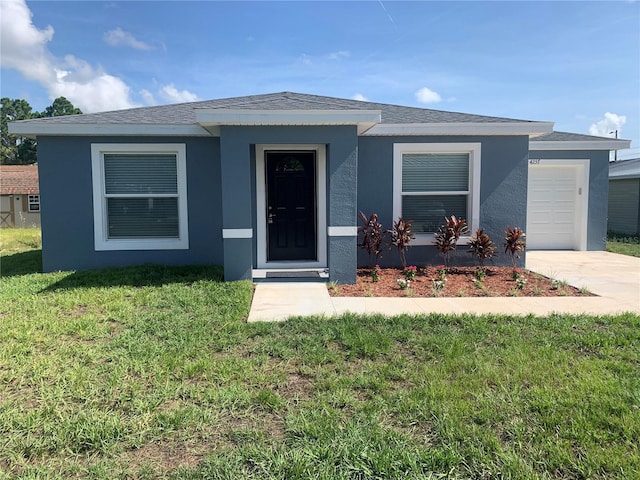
624,244
152,372
632,249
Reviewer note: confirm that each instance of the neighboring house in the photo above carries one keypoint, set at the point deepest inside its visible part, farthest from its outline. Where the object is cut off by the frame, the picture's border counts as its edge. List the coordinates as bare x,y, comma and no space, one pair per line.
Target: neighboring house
271,182
624,197
19,196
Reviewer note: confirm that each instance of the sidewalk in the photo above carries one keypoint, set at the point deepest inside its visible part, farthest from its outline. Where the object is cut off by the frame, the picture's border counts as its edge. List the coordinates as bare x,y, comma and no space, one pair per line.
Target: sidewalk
614,278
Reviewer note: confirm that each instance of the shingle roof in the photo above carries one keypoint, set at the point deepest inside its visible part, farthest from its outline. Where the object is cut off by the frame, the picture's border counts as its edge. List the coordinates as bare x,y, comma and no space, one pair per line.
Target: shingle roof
19,180
185,113
569,137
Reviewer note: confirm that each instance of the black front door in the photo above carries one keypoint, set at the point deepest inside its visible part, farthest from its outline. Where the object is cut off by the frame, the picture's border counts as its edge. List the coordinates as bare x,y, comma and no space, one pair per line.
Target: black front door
291,205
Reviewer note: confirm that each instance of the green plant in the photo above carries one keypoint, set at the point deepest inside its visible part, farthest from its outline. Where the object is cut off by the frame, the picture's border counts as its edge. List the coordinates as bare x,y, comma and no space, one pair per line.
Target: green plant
479,274
514,243
584,290
375,273
410,272
521,281
371,236
401,237
403,283
481,246
447,237
333,286
437,285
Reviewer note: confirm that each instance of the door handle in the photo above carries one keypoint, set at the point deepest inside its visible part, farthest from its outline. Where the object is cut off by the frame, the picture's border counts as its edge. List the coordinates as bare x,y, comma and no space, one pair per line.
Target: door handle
270,217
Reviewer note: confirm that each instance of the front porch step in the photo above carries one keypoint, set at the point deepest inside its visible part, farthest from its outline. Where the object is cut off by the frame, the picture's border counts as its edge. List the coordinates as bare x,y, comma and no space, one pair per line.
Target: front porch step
294,275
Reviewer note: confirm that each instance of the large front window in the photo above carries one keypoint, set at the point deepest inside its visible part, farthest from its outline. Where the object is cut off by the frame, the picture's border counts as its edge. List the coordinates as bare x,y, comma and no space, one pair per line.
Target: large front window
433,181
139,196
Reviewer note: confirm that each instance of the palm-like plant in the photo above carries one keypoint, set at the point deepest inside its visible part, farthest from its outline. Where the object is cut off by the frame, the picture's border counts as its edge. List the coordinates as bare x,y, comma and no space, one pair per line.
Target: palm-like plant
514,243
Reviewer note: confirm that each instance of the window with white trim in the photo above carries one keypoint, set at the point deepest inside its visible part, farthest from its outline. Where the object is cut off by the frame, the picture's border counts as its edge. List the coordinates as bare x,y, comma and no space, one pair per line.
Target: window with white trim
139,196
434,180
33,203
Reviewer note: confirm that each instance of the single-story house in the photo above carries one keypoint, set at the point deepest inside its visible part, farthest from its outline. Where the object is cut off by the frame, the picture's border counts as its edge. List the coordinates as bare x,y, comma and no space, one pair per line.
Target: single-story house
19,196
275,181
624,196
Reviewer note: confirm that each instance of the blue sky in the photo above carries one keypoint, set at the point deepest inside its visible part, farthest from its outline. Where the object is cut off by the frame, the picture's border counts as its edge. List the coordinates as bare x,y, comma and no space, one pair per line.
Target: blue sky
574,63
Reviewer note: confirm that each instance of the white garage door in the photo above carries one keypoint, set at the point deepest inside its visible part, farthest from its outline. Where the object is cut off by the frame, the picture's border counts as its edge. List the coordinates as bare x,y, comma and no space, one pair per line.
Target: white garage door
555,206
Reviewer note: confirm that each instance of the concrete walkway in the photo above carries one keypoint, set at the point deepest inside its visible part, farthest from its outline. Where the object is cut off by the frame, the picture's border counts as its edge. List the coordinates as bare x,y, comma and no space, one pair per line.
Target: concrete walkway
614,278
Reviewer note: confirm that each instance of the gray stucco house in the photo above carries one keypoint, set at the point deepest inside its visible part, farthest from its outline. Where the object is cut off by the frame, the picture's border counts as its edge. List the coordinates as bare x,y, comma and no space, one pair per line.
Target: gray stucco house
270,182
624,196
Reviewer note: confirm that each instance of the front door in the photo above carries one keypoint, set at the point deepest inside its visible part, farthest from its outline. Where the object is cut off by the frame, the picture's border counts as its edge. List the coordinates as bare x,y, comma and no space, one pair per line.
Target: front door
291,205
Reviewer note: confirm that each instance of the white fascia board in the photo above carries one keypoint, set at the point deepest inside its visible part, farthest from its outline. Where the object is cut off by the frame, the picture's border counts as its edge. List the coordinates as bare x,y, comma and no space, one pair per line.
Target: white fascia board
35,129
461,128
612,144
364,119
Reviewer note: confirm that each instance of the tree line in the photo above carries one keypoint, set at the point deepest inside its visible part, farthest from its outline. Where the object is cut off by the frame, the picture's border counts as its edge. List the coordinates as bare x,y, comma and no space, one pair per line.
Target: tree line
17,150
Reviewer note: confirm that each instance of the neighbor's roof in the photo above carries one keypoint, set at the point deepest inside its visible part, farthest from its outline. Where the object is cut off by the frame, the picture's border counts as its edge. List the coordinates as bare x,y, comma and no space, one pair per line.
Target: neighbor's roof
576,141
19,180
200,118
625,169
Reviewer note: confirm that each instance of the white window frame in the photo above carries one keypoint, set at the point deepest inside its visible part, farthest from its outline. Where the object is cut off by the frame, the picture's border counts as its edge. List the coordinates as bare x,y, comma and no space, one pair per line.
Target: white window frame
31,201
101,240
473,195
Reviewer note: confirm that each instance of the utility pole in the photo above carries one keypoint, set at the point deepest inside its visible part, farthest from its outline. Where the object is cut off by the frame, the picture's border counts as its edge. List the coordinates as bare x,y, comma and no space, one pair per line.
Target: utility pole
615,152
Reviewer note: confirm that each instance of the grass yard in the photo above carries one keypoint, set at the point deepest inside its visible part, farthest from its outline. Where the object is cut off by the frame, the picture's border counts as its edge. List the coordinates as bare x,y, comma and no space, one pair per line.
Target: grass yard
623,244
152,372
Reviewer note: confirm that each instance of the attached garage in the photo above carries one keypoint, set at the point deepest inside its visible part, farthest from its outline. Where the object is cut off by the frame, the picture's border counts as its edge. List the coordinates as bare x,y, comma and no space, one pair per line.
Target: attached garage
556,205
568,189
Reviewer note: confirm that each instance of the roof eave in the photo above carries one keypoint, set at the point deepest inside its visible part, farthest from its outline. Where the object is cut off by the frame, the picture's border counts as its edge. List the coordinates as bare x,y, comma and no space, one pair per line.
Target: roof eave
211,118
461,128
35,129
606,144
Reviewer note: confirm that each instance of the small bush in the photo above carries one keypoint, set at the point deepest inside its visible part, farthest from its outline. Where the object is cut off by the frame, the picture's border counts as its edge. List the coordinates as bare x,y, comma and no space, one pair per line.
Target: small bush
481,247
371,236
448,235
514,243
401,237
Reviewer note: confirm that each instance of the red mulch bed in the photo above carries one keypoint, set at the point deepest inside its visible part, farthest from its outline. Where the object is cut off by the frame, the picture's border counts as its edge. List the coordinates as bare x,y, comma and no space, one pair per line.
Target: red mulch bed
498,282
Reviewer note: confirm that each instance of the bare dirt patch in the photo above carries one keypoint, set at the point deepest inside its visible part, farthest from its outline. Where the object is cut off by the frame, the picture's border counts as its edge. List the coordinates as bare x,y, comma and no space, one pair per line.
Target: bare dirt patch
460,282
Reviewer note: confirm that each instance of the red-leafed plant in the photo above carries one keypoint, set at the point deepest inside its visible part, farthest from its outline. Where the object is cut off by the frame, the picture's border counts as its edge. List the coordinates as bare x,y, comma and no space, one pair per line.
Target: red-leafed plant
481,246
514,243
371,236
448,235
401,237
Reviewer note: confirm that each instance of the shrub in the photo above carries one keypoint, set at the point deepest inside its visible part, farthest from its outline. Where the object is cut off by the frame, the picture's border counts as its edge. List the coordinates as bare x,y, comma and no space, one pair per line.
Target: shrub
481,246
514,243
401,236
448,235
371,236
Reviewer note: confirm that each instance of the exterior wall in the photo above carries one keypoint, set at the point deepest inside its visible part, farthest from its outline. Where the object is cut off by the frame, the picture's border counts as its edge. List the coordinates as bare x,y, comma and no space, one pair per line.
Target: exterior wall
624,206
238,170
14,211
598,190
67,220
503,187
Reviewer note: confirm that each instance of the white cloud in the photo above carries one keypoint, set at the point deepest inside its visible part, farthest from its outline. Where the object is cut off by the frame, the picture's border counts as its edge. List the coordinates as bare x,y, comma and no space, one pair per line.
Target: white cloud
426,95
338,55
360,97
610,123
148,97
172,95
120,38
24,48
306,59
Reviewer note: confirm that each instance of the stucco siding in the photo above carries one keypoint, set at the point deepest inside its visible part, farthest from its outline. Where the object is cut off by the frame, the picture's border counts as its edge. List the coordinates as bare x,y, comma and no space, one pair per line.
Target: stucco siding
503,184
624,206
598,189
67,208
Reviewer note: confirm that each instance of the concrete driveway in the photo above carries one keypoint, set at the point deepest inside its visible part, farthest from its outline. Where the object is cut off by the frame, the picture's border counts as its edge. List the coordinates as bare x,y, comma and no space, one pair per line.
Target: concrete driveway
608,275
614,278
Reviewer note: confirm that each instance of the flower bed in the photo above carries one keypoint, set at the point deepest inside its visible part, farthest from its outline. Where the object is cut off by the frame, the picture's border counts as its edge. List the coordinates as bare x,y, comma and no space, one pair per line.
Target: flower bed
434,281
